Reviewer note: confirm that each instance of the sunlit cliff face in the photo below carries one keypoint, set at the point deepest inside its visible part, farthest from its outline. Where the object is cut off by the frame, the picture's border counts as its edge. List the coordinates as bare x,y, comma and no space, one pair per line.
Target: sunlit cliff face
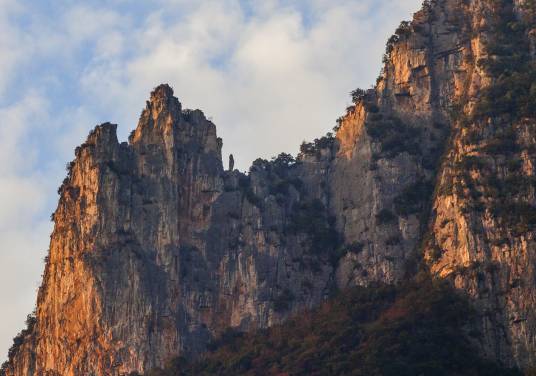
156,249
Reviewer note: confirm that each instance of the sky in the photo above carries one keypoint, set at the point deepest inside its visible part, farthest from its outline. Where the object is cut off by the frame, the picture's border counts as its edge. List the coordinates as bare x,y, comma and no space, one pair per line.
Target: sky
269,73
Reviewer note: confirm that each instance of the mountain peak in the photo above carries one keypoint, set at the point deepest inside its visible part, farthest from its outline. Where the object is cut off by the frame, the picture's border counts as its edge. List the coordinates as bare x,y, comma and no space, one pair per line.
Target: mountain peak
162,91
157,251
162,98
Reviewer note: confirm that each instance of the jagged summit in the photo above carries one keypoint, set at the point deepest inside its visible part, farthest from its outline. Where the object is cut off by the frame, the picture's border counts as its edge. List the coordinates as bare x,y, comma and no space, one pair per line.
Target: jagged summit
162,99
106,131
162,91
157,250
163,119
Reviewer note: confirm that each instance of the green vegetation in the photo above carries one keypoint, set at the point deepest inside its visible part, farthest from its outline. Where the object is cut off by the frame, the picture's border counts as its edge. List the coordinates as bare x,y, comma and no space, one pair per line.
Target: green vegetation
306,216
281,178
283,300
355,247
493,180
513,91
413,198
419,328
244,184
502,142
280,175
362,96
520,217
358,95
283,161
471,162
394,136
402,32
393,240
312,218
385,216
315,147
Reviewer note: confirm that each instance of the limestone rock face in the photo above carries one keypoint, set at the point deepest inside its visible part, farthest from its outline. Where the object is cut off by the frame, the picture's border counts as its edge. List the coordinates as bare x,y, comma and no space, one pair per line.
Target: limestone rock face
157,249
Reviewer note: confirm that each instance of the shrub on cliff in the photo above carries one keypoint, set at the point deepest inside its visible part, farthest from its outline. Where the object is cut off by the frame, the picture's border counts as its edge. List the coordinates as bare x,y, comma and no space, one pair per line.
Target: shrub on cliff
315,147
312,218
413,198
385,216
394,136
402,32
31,321
358,95
513,90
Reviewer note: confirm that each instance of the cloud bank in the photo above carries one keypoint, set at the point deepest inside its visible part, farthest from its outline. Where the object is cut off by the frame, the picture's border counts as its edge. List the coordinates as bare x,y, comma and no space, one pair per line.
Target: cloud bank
269,73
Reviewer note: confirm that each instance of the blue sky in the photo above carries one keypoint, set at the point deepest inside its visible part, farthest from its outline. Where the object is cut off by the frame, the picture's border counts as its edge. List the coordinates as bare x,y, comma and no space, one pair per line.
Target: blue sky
270,73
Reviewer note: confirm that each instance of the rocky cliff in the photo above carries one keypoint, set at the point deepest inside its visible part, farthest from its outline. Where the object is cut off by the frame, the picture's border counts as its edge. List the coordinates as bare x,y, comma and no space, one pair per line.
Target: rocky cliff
157,249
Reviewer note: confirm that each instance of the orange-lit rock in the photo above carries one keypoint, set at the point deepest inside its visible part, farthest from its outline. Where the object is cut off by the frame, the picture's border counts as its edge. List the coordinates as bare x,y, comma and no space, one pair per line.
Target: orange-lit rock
156,249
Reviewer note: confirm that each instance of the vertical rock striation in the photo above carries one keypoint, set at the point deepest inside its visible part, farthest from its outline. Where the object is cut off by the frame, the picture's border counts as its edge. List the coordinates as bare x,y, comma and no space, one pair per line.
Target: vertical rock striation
157,249
482,232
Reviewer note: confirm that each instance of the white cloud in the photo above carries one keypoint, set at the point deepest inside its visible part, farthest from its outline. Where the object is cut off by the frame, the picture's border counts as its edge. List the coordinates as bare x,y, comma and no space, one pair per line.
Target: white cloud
260,75
23,199
12,49
83,22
